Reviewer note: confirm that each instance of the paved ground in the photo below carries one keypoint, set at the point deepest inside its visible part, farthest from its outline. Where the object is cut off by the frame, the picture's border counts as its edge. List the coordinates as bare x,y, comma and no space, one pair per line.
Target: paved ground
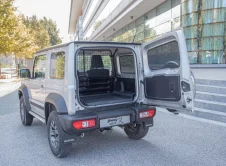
172,141
8,86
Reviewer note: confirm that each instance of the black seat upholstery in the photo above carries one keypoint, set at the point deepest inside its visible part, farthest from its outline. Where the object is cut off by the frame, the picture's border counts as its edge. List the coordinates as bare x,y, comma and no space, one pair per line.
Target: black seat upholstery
98,77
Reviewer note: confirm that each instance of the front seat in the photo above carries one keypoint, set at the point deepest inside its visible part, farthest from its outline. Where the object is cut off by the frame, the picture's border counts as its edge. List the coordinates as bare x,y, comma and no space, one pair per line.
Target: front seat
98,77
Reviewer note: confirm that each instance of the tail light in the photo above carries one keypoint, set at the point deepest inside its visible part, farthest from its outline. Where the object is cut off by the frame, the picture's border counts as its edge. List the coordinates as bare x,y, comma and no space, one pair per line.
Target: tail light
82,124
147,114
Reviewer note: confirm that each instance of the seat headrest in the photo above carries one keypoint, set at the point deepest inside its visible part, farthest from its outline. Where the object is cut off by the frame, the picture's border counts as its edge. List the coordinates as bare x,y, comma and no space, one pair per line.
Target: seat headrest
96,62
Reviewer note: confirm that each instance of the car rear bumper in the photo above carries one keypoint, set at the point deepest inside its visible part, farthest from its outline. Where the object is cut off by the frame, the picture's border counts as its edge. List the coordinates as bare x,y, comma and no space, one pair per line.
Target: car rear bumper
133,112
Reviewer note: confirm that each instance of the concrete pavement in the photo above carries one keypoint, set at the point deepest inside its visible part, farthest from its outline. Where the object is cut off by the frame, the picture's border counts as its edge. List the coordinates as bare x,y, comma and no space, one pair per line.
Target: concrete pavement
172,141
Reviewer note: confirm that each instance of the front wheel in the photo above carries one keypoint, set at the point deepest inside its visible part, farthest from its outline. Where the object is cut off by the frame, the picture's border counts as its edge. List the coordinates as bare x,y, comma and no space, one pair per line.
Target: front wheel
56,136
136,131
26,118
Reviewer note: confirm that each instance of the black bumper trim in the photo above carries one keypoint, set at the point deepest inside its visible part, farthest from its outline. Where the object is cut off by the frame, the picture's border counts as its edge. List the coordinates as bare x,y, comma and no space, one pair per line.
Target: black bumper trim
67,120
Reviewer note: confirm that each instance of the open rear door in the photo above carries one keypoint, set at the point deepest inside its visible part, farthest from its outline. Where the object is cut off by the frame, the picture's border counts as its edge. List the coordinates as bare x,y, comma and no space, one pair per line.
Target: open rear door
167,74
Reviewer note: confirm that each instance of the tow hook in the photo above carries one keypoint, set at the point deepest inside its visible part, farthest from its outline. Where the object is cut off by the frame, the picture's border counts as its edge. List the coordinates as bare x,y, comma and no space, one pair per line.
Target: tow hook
81,135
103,130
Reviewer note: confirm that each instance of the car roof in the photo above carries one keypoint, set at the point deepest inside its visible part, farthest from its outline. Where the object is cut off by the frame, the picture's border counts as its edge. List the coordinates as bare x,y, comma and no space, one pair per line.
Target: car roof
82,42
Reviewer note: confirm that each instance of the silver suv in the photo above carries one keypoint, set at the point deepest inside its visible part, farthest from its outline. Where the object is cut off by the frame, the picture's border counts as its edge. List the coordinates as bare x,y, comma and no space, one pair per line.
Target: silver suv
83,86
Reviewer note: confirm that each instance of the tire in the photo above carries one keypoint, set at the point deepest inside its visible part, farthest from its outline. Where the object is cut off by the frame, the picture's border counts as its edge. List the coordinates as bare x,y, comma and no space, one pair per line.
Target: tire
56,136
136,131
26,118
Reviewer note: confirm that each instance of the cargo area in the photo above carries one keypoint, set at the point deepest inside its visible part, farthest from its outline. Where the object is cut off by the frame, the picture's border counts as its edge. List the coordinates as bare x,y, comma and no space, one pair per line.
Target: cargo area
106,76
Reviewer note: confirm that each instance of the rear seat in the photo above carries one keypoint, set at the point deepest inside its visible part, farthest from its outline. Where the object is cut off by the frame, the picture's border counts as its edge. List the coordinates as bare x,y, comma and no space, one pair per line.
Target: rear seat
98,78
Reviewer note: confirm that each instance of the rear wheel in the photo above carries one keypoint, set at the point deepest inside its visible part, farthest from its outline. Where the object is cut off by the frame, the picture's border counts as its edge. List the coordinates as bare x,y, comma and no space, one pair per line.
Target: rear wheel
136,131
26,118
56,136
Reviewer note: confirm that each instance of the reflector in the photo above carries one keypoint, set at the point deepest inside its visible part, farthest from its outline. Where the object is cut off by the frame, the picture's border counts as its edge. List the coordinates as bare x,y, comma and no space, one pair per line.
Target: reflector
147,114
84,124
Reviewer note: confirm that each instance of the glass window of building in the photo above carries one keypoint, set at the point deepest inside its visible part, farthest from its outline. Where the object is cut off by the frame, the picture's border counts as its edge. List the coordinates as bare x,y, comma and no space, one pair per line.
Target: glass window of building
89,12
203,22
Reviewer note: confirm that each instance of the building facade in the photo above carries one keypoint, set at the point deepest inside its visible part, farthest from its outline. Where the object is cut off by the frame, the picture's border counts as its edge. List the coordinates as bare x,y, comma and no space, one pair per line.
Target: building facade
203,22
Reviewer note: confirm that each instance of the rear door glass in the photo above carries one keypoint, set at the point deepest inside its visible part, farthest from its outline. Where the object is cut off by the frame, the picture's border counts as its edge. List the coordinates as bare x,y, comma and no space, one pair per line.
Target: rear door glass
127,64
164,56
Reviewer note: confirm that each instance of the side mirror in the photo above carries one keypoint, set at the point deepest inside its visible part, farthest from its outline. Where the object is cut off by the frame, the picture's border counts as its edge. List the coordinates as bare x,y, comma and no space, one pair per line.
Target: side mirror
25,73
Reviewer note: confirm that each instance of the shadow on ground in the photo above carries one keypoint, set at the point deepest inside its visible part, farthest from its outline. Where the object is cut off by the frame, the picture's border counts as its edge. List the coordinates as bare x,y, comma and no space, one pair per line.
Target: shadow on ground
9,103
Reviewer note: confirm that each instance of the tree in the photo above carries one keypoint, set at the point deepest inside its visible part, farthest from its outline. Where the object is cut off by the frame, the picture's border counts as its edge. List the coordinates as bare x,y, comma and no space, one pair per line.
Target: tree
24,35
14,36
53,32
41,36
8,24
44,30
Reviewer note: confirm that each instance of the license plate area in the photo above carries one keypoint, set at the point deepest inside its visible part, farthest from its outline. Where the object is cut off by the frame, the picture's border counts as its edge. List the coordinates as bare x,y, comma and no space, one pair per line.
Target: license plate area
108,122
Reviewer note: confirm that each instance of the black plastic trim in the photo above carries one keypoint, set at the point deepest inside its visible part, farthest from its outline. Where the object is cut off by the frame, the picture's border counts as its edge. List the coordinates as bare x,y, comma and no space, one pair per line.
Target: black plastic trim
67,120
23,89
58,101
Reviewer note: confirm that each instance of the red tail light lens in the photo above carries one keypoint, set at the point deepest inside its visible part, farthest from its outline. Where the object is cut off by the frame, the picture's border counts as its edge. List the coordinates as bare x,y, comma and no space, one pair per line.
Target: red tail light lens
82,124
146,114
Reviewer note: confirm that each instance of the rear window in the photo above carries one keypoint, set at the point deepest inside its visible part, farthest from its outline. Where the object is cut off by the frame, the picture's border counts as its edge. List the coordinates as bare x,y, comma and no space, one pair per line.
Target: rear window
164,56
127,64
84,57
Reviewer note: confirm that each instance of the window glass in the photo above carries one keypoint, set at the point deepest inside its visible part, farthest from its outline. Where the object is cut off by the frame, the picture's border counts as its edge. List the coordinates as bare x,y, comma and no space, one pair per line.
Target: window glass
164,17
139,37
84,60
209,4
213,29
191,32
189,6
127,64
175,2
192,44
212,57
150,33
89,12
176,11
164,56
57,65
150,23
109,8
165,6
40,66
212,43
193,57
176,23
163,28
190,19
215,15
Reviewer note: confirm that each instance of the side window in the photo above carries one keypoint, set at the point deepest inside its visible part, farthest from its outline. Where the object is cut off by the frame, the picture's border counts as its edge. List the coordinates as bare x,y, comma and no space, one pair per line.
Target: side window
57,65
127,64
40,66
164,56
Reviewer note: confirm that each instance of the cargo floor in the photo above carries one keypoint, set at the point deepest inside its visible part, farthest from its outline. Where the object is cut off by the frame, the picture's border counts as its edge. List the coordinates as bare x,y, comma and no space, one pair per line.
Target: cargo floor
107,98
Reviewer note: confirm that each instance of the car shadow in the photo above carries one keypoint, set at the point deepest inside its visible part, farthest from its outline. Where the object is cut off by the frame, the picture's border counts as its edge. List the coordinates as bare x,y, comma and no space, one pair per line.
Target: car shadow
9,103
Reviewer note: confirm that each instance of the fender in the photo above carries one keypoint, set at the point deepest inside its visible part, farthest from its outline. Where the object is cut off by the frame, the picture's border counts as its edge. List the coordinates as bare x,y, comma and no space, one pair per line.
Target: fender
58,101
22,90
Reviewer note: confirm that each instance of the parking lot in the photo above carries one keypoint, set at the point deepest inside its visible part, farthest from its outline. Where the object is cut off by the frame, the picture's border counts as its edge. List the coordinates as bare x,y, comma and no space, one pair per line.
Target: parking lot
172,141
